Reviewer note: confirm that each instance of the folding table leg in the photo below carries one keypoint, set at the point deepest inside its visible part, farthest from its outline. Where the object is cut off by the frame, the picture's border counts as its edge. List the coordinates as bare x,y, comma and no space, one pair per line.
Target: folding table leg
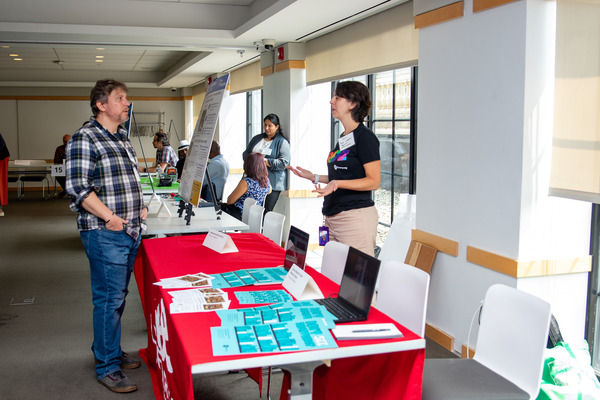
301,379
45,186
20,189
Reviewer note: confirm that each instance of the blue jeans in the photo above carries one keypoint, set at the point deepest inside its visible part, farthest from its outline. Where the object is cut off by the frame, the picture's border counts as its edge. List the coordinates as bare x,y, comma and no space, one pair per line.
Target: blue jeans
111,255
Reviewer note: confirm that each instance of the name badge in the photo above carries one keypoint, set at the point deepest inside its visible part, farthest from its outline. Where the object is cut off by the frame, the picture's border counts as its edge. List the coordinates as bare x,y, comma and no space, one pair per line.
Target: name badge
266,152
346,141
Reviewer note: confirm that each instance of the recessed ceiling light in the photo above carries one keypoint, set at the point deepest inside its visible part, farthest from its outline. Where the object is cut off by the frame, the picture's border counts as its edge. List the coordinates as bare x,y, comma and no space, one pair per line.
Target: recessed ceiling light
99,56
99,61
100,48
6,47
18,59
13,55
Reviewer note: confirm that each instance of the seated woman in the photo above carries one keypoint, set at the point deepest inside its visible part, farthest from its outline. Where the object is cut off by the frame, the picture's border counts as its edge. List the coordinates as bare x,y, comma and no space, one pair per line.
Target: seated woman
255,184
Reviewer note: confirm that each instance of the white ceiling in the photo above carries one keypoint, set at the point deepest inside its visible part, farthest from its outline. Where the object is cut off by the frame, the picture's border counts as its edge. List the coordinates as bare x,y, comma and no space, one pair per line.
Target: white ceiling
155,43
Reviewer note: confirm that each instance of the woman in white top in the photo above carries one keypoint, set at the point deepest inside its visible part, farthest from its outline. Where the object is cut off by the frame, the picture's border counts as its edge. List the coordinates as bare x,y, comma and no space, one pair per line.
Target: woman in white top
276,150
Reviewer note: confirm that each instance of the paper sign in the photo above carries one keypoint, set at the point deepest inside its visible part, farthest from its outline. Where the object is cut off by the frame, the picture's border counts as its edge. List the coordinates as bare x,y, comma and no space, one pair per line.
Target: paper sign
58,170
301,285
194,167
162,209
219,242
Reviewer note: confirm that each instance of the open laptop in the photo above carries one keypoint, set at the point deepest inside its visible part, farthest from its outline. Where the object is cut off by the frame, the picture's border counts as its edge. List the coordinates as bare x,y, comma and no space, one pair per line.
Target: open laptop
295,248
356,289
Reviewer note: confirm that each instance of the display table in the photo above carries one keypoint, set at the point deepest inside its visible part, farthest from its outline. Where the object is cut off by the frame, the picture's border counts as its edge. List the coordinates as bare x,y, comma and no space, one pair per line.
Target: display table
147,187
31,171
205,219
179,345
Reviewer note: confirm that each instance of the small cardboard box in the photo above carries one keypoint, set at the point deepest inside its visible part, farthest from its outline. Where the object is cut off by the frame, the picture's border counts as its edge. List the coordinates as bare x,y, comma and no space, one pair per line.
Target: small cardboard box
420,255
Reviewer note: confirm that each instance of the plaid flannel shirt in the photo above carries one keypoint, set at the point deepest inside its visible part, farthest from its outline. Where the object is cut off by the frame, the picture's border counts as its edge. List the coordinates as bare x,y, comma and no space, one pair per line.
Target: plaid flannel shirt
104,163
167,154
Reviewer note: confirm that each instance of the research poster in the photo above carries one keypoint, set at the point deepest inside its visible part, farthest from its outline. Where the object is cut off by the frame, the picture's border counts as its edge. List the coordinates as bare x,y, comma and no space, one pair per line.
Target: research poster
190,184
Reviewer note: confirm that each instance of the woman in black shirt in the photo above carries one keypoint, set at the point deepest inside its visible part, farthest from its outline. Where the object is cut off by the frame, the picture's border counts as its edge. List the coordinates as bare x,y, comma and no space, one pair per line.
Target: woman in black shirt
353,172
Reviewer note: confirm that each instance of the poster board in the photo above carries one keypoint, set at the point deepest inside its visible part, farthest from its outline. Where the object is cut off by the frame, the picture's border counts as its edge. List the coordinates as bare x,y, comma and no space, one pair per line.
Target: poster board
190,184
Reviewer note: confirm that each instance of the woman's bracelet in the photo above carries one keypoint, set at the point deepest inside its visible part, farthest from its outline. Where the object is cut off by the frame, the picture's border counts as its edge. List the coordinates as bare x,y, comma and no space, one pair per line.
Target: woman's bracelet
316,181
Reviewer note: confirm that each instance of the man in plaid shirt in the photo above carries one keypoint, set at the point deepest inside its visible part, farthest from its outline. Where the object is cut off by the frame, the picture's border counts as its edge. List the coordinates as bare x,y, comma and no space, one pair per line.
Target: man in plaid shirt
102,178
165,155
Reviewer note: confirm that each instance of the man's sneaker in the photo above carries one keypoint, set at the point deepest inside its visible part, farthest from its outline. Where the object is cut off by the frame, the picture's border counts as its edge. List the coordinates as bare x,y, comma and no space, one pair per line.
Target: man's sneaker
128,362
118,382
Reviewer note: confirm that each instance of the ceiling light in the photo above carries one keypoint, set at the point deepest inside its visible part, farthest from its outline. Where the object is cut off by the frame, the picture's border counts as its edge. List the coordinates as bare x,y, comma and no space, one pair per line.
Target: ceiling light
13,55
5,47
99,56
100,48
18,59
99,61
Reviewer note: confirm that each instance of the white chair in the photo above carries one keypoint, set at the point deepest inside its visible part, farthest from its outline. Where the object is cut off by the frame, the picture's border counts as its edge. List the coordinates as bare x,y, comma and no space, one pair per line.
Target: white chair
334,260
403,292
273,226
249,202
255,218
397,240
509,355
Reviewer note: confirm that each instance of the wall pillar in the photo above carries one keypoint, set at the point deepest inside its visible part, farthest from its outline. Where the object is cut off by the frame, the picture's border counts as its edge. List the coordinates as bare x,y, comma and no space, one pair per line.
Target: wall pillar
285,94
486,93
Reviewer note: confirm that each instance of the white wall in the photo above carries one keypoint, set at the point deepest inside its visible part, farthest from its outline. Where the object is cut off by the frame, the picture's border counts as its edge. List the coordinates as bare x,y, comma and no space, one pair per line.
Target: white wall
174,111
485,131
34,128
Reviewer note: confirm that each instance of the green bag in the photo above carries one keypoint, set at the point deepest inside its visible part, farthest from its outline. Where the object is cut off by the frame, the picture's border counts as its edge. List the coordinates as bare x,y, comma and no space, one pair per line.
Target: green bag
568,374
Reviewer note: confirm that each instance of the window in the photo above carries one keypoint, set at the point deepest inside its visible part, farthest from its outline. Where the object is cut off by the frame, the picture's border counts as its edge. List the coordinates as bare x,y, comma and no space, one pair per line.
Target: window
393,120
254,121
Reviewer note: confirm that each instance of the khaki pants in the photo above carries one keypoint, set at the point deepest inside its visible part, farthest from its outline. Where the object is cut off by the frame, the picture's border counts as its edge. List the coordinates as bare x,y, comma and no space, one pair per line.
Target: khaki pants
356,228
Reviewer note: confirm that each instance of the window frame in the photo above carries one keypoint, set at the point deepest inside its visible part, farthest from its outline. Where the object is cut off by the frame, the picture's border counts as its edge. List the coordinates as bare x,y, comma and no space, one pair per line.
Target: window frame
370,121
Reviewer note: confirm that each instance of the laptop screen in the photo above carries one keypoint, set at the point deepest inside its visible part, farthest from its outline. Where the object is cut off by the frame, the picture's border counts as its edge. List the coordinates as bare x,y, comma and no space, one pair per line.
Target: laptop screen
359,279
295,248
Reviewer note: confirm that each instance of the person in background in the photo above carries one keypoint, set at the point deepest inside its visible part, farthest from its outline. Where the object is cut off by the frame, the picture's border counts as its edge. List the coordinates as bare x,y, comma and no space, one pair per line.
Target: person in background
4,157
218,170
353,172
182,150
165,155
59,158
255,184
276,150
104,184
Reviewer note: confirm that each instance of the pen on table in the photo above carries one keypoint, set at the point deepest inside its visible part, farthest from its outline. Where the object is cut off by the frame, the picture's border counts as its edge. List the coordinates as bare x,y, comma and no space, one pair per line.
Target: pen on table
370,330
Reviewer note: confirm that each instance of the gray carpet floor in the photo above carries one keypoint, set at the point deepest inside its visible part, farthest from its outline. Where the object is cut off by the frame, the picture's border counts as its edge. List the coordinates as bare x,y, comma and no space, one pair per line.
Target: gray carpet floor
46,315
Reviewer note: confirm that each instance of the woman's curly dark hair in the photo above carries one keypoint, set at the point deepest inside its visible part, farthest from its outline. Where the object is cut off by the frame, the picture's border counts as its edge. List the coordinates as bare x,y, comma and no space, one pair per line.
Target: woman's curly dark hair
358,93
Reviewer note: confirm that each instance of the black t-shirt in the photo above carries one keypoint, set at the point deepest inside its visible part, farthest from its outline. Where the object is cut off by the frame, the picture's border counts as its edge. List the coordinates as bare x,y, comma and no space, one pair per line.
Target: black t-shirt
349,164
3,149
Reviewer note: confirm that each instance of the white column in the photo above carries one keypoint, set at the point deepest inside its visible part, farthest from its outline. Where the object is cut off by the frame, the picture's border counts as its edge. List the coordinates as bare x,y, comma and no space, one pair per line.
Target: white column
285,94
486,87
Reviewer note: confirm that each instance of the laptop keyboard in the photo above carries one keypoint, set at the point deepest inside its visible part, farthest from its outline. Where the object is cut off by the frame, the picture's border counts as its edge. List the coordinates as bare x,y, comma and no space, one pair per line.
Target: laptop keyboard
334,307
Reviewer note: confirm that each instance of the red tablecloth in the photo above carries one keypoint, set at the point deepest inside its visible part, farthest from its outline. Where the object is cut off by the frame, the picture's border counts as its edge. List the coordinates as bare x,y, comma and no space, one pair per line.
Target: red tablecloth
177,342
